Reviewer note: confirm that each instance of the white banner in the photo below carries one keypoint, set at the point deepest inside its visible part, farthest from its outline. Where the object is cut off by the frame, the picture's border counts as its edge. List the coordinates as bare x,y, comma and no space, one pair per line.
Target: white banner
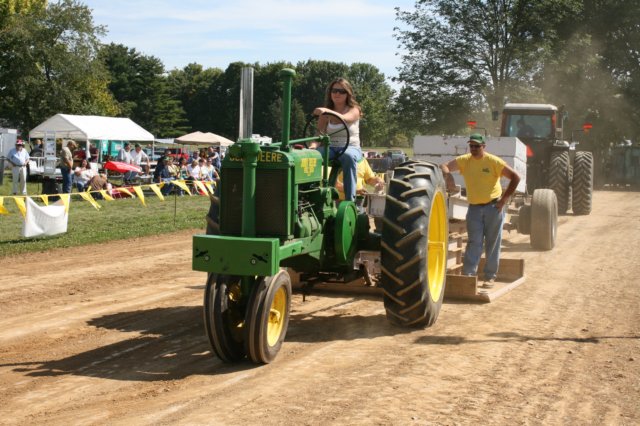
45,220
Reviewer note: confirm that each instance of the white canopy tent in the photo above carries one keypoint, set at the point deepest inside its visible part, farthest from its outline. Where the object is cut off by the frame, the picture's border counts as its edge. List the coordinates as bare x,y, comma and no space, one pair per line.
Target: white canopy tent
91,127
199,138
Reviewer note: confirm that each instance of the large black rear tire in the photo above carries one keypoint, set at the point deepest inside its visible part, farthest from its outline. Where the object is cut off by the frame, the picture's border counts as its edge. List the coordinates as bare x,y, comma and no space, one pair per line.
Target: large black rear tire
224,317
414,245
560,179
582,183
544,219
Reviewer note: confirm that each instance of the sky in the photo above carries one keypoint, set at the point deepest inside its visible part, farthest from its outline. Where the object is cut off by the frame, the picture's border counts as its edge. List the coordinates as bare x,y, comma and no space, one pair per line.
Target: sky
215,33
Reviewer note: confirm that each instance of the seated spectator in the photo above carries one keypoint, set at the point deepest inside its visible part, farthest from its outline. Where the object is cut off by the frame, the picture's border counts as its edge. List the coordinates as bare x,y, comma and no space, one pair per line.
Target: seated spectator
183,169
38,150
81,176
158,171
216,160
211,172
364,175
199,172
192,165
168,173
124,156
97,183
140,159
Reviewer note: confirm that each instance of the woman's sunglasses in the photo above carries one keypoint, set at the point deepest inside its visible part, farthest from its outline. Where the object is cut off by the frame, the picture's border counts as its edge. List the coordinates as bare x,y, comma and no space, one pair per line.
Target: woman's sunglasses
341,91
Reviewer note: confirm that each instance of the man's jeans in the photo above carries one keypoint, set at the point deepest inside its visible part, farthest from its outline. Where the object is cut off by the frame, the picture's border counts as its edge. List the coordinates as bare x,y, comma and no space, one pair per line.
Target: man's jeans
67,178
349,162
129,176
484,224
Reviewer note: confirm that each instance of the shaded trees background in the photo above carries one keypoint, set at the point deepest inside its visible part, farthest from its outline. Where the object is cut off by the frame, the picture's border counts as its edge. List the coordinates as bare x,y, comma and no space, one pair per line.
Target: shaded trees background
464,59
460,60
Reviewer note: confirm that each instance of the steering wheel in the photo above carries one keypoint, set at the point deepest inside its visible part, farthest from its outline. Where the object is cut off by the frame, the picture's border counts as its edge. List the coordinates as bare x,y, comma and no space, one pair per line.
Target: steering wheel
312,127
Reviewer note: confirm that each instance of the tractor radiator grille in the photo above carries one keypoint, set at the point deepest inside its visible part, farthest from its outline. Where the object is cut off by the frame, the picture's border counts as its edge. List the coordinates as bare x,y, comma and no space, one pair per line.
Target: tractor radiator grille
231,202
271,203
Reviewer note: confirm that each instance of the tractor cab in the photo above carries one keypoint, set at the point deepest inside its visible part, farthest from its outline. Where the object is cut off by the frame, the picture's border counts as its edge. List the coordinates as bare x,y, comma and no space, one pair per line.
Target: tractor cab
539,126
534,124
552,162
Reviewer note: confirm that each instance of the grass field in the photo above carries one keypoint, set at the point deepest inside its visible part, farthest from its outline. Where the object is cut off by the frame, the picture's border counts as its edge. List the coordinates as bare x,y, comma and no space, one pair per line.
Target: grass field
118,219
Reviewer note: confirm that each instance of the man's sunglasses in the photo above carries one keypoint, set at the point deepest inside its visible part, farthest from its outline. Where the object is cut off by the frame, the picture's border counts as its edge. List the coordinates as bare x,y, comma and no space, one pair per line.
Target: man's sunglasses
341,91
474,146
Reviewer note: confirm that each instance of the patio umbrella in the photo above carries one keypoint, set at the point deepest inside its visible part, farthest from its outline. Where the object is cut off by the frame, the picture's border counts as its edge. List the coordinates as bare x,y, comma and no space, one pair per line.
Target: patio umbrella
219,140
199,138
120,167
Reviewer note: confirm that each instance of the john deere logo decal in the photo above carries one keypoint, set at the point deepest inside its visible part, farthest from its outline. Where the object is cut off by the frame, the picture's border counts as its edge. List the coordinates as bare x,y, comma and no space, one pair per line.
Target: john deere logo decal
309,165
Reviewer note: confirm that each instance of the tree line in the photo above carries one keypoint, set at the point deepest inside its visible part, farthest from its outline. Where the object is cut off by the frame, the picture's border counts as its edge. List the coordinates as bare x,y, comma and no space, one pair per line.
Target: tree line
461,60
465,59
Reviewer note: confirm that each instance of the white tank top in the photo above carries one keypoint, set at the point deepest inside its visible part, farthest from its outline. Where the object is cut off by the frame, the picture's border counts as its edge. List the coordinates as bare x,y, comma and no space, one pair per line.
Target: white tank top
338,139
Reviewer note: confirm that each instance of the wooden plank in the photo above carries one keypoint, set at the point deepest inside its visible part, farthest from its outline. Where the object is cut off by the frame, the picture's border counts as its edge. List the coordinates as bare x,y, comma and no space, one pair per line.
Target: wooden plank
459,287
510,276
492,294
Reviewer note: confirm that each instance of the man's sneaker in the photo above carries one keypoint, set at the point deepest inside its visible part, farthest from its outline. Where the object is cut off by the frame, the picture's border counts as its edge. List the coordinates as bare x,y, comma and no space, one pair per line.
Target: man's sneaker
489,283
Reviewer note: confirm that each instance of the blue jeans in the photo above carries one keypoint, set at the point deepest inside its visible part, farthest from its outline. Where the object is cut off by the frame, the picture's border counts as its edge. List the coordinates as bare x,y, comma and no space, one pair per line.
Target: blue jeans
129,176
168,186
484,225
349,162
67,178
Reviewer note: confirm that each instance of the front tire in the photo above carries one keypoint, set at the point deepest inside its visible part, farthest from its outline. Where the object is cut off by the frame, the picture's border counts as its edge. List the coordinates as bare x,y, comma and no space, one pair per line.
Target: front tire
224,317
544,219
414,245
267,317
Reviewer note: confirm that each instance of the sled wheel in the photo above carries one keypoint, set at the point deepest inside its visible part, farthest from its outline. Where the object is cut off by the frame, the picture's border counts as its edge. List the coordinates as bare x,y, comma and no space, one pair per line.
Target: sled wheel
582,183
560,178
224,317
544,219
524,220
414,245
268,317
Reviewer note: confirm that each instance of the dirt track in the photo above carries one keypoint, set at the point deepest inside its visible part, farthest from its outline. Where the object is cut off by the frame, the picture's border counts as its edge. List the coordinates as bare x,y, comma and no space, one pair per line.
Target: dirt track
113,334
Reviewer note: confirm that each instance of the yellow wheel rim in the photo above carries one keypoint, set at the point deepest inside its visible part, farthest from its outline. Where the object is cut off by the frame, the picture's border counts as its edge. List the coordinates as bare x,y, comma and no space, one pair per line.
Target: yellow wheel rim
437,246
277,313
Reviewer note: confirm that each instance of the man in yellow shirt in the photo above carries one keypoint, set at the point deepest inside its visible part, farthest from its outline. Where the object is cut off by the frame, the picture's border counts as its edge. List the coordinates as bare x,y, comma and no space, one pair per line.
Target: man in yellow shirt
485,216
364,175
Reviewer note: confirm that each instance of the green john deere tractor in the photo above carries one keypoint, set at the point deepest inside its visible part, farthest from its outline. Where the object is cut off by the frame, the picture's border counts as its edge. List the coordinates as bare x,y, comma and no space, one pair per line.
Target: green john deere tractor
278,211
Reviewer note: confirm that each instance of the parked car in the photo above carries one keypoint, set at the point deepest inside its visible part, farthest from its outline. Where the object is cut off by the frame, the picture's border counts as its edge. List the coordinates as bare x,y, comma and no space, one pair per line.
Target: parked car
177,153
397,155
155,156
